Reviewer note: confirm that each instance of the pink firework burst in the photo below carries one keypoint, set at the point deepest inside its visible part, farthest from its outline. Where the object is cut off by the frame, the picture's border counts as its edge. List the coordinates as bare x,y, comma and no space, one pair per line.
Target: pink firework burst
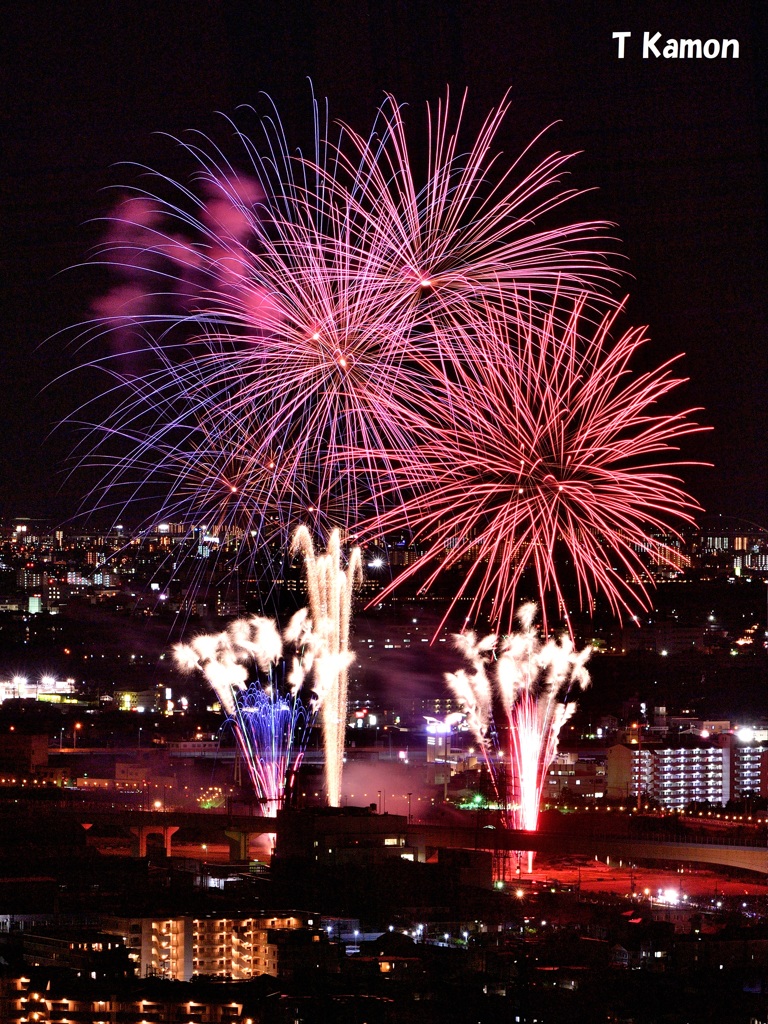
549,441
279,336
473,231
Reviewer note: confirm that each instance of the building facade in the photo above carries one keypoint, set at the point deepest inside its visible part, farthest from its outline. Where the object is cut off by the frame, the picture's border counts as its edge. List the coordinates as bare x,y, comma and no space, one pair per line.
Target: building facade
683,774
235,948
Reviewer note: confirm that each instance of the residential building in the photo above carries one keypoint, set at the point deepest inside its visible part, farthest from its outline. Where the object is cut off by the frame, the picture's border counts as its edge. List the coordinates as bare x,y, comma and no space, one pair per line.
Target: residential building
236,948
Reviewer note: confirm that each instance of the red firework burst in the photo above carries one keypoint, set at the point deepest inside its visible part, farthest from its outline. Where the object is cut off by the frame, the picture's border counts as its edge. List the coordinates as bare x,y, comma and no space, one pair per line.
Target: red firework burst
550,440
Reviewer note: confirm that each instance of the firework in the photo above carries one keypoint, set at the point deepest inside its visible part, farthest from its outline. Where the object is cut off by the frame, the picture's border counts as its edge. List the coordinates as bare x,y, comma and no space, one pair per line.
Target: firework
532,682
271,730
550,441
271,724
277,332
470,233
324,633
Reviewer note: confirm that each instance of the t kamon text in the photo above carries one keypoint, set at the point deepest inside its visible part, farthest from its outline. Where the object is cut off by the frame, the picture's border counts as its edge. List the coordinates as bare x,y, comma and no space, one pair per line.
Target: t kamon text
678,49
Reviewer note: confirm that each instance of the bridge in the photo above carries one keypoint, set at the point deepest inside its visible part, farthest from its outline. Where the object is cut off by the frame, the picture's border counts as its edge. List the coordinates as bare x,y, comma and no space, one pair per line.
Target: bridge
716,851
577,835
235,829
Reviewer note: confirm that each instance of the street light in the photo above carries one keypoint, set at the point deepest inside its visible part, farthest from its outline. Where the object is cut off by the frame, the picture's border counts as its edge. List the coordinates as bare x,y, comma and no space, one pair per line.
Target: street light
76,729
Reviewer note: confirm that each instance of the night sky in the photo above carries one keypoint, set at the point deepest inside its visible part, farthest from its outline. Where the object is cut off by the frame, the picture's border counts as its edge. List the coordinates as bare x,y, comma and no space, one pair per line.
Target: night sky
676,151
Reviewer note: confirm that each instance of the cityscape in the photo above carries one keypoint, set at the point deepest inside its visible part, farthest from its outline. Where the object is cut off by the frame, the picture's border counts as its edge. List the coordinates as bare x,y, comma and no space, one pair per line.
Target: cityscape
656,800
383,606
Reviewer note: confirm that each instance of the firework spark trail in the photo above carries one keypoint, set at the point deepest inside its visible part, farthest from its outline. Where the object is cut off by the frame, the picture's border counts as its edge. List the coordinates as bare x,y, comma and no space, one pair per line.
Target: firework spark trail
272,731
271,728
311,300
475,695
326,633
532,680
550,439
468,234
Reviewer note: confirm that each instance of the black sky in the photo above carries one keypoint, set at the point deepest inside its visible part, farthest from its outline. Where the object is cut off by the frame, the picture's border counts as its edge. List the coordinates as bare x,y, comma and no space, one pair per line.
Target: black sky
676,149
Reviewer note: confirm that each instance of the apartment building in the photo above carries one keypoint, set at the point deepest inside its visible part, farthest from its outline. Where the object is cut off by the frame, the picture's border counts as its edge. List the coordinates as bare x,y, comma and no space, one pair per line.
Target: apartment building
696,771
236,948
